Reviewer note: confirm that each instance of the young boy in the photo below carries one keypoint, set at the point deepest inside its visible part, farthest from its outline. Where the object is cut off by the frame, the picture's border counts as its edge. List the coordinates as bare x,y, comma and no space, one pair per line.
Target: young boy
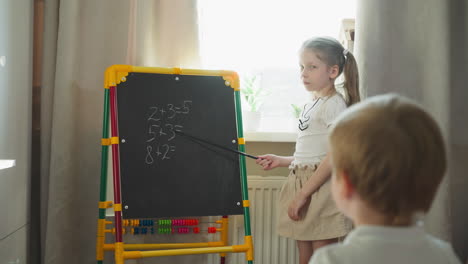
388,160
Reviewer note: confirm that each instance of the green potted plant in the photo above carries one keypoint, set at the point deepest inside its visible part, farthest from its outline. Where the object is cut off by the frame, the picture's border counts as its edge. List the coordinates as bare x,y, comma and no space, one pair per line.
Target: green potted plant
252,93
296,112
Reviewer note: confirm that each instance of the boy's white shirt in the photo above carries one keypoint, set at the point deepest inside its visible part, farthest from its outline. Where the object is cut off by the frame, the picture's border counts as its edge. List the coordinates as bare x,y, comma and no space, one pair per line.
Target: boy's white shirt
387,245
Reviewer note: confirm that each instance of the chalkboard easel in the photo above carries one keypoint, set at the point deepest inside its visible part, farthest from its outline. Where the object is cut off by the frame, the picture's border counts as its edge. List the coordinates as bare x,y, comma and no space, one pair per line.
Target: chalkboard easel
159,172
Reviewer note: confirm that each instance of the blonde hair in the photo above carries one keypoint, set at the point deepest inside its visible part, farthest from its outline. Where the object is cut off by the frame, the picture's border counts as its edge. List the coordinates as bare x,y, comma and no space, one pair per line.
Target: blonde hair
392,151
330,51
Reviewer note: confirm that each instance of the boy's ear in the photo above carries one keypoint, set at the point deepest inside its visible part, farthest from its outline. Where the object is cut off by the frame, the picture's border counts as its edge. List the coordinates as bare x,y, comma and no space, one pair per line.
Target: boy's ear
333,71
348,187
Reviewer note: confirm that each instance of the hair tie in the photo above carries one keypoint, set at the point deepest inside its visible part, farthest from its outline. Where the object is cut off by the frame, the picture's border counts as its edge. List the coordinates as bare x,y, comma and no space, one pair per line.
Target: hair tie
345,52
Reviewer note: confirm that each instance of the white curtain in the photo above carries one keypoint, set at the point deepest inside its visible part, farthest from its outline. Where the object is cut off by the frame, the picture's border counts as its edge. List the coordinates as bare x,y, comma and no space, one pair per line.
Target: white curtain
163,33
419,49
81,39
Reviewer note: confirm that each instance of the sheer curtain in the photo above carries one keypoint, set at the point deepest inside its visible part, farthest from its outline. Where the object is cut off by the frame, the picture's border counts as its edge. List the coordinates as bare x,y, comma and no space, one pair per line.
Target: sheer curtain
81,39
163,33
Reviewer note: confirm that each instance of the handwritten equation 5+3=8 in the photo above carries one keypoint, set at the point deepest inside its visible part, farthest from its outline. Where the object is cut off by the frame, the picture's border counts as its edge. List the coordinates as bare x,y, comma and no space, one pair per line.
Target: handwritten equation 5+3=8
162,125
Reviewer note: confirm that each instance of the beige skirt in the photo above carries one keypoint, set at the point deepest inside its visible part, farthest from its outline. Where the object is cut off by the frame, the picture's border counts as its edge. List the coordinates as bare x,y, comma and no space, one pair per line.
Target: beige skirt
321,219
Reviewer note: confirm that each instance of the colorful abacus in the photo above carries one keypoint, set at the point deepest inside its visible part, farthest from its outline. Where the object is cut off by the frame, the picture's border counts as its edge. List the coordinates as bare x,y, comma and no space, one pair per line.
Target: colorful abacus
142,230
138,222
184,222
165,226
183,230
163,222
167,230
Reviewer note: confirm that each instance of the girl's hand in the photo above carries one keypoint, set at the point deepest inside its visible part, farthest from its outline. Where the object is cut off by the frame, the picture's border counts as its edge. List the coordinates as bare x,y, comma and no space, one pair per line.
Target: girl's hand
297,206
268,161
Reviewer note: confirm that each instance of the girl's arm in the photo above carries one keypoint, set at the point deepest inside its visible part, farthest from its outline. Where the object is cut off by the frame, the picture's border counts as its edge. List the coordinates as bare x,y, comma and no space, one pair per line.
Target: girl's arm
321,175
271,161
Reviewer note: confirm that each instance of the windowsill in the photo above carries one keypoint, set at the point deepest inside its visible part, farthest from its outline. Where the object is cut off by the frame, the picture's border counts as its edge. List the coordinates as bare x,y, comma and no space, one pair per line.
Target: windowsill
264,136
5,164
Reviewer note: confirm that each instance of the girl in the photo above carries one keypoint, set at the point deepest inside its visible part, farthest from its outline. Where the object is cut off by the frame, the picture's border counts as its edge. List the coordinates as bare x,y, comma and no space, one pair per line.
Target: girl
306,210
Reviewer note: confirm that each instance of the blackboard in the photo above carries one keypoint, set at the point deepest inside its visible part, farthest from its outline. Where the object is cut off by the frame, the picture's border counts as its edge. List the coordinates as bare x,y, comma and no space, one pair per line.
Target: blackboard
164,174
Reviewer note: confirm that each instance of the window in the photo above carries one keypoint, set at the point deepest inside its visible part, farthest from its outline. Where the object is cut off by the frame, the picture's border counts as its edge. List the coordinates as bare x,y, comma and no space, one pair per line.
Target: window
262,37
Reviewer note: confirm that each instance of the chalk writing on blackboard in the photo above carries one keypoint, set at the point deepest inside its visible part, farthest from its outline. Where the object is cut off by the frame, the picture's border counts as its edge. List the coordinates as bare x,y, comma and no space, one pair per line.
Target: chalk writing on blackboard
162,124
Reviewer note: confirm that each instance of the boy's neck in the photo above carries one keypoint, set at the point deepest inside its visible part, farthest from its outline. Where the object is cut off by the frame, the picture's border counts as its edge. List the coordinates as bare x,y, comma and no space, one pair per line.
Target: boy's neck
365,215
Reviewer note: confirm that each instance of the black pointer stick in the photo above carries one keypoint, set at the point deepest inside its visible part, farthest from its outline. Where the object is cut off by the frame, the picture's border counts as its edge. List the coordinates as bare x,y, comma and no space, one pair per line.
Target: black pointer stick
216,145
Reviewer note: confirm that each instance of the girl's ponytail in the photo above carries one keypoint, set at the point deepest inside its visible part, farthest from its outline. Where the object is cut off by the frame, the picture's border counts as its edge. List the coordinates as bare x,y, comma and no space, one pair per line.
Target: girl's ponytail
351,83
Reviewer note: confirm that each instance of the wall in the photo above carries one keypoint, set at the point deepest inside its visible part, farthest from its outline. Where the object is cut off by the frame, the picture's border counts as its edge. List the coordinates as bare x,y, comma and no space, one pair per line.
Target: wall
15,126
418,49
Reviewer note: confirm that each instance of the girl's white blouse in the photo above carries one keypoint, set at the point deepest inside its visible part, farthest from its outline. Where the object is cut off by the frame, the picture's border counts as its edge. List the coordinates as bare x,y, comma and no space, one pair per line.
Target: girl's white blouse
313,124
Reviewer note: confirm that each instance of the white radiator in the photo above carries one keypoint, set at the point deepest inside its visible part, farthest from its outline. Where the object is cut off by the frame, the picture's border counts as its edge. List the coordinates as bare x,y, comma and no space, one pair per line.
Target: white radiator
269,247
